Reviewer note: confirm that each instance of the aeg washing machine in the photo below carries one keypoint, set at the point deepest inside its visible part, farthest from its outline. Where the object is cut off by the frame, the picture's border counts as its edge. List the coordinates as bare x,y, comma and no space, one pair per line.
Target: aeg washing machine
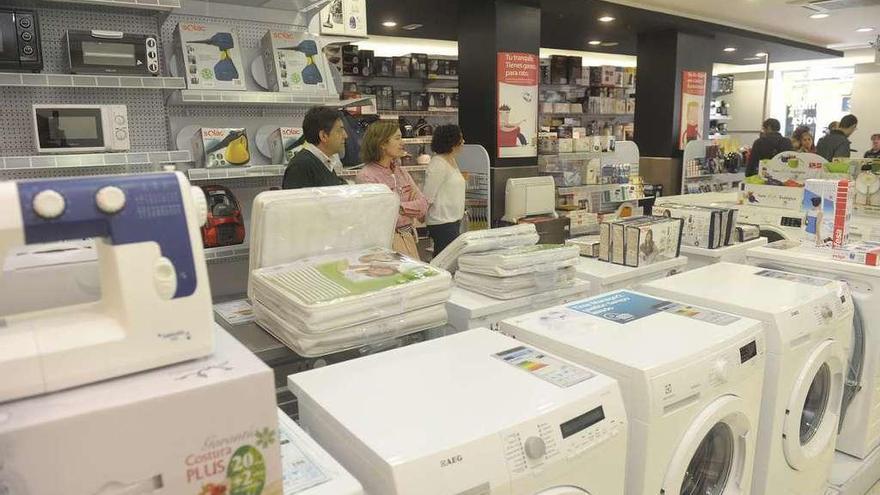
473,413
808,325
860,428
691,381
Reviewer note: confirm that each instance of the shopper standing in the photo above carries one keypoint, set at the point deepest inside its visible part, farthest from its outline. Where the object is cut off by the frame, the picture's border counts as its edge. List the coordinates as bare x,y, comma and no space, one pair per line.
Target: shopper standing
770,144
836,144
445,187
325,137
381,151
802,140
874,152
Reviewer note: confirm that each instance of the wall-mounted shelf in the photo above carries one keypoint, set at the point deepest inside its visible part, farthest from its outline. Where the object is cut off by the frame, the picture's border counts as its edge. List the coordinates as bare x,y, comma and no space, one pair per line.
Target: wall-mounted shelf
137,4
208,97
227,252
417,140
389,114
87,81
94,160
357,78
235,173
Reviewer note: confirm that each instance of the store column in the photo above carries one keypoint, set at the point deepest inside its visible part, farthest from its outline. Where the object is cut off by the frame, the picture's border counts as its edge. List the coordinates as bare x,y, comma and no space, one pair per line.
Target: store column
670,65
498,46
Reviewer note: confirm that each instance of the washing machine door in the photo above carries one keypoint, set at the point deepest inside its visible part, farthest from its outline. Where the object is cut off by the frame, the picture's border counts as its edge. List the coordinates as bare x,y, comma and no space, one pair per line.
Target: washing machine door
814,406
712,456
564,490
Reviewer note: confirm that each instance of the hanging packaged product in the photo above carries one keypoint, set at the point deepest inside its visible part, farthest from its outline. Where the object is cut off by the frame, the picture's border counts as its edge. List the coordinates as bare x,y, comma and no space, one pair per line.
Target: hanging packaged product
210,56
221,147
282,142
828,206
294,63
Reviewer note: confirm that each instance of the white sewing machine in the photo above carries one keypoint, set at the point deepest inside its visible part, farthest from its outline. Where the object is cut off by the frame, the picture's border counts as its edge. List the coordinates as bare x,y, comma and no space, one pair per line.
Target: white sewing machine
155,307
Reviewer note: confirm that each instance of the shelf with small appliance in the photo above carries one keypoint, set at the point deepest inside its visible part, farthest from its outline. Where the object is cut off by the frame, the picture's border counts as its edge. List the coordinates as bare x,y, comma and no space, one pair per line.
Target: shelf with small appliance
89,81
356,78
211,97
198,174
393,114
94,160
165,5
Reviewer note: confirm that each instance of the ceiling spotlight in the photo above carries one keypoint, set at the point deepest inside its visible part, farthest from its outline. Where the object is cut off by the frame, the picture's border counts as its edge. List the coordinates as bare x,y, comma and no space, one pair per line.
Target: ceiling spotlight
595,42
412,27
864,30
606,18
389,24
819,16
730,49
760,54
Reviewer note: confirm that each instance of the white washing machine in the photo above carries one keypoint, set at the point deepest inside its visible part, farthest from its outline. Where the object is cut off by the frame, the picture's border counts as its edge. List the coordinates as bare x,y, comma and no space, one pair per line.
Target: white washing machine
475,413
691,381
735,253
860,428
606,277
808,325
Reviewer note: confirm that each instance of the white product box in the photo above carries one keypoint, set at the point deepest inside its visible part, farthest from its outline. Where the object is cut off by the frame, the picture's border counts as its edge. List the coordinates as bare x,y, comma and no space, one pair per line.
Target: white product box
295,63
355,17
209,56
281,143
566,145
790,198
863,253
579,218
589,245
828,205
618,237
215,147
652,242
206,426
794,171
701,227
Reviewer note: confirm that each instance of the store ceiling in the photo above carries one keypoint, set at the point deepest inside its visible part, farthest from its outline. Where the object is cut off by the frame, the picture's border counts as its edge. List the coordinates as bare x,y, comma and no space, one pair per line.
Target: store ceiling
571,24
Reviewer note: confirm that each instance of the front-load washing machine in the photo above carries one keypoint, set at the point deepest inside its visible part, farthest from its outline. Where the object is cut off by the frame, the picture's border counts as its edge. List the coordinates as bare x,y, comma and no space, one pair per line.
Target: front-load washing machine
691,380
860,426
808,325
473,413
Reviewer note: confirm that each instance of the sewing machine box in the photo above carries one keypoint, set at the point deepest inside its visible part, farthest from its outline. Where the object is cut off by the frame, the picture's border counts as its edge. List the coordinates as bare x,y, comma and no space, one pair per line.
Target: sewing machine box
828,205
863,253
281,143
205,426
295,63
215,147
701,227
790,198
210,57
653,241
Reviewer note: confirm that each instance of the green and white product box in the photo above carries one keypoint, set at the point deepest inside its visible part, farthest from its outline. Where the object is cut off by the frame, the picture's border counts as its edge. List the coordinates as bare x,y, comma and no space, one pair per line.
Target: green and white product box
295,63
210,56
219,147
202,427
281,143
790,198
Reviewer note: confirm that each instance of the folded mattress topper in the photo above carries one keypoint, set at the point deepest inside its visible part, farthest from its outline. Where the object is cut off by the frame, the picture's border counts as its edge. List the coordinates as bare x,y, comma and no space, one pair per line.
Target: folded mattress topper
485,240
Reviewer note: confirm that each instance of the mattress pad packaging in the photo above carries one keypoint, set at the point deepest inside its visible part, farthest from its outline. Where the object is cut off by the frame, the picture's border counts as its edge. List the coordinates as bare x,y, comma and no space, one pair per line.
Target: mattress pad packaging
480,241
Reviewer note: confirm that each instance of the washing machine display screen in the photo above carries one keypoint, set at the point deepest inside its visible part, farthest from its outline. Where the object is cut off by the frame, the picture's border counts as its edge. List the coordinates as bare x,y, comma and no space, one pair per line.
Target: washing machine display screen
748,351
709,468
582,422
815,404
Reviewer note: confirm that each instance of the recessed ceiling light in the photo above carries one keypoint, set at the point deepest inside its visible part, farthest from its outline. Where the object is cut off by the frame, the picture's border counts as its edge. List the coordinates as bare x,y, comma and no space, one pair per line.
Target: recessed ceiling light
389,24
412,27
730,49
819,16
760,54
595,42
606,18
864,30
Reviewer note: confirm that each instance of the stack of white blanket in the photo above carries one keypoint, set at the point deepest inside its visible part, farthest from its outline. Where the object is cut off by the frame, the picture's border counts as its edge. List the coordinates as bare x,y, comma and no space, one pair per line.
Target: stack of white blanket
334,302
480,241
520,271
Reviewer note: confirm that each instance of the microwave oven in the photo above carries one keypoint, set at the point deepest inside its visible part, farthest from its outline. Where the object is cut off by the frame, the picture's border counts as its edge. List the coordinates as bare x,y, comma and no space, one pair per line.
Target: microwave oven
112,52
20,40
81,128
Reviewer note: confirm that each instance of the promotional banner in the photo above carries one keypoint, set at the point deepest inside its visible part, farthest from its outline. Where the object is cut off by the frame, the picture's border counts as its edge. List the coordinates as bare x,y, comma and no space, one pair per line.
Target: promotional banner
517,104
798,115
693,98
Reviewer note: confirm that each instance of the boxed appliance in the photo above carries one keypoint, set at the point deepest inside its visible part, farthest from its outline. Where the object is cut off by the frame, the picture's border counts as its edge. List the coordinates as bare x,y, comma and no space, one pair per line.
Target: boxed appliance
282,143
351,62
619,236
863,253
657,240
366,59
789,198
701,227
401,67
418,65
790,170
149,432
384,97
606,240
558,69
588,244
580,218
383,66
828,205
575,69
295,63
215,147
610,76
566,145
210,56
402,100
419,101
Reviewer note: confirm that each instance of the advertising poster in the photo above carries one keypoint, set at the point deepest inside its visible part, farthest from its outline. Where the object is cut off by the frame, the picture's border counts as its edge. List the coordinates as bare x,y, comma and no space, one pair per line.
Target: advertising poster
798,115
517,104
693,99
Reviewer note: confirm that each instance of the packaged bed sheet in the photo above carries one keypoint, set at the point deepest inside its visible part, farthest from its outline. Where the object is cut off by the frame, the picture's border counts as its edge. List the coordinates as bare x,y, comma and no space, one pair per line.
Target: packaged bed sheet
485,240
344,338
293,224
516,286
323,289
520,260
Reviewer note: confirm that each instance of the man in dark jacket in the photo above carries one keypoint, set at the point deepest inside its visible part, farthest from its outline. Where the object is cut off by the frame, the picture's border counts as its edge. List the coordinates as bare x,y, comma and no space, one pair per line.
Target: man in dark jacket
770,144
836,143
313,165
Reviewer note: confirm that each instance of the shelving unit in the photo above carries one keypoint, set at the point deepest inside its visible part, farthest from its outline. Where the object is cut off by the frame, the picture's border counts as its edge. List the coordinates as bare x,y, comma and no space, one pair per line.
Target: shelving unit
210,97
138,4
89,81
94,160
696,150
197,174
354,78
227,253
388,114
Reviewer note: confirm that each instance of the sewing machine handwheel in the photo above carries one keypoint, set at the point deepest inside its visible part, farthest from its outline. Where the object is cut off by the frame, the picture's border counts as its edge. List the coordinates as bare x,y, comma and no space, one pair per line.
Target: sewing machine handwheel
164,278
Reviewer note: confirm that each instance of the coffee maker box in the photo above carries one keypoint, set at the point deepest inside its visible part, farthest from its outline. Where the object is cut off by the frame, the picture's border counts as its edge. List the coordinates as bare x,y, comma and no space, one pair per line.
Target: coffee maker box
401,66
203,426
281,144
575,70
209,56
351,62
418,66
558,69
383,66
295,63
215,147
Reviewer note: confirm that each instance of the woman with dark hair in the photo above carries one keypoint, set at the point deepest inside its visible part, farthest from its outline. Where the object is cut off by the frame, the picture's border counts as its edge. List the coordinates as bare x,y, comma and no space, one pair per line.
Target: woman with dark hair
445,187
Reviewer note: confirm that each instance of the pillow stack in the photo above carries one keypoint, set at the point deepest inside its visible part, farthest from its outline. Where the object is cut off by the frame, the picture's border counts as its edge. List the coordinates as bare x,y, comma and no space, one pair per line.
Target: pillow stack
515,272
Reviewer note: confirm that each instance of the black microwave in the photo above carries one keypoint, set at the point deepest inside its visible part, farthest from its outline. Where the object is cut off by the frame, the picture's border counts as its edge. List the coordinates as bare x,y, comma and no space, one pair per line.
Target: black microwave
112,52
20,40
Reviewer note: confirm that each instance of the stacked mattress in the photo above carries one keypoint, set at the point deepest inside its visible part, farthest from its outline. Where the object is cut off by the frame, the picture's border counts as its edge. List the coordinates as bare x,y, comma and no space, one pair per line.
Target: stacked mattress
333,302
521,271
480,241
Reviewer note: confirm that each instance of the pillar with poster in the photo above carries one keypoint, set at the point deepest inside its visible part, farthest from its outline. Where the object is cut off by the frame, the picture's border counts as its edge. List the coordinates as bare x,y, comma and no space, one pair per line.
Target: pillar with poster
693,97
517,104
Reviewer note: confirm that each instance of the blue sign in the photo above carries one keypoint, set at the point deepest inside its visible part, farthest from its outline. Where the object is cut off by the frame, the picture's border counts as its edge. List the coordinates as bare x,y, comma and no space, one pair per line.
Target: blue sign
621,307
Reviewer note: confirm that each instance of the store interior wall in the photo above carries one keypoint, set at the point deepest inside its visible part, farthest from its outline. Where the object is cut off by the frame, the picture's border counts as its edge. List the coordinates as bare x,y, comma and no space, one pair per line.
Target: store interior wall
866,105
